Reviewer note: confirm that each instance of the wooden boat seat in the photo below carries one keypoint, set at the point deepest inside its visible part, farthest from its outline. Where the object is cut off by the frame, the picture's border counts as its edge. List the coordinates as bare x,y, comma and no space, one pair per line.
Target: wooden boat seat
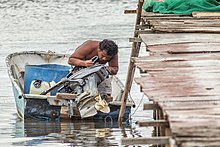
65,96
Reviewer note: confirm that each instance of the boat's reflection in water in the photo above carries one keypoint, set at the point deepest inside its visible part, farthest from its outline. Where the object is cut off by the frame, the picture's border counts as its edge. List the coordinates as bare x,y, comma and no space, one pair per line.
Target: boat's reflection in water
70,132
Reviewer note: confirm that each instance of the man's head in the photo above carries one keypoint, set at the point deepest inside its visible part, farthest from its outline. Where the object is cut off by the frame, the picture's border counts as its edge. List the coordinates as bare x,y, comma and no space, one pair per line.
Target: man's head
109,46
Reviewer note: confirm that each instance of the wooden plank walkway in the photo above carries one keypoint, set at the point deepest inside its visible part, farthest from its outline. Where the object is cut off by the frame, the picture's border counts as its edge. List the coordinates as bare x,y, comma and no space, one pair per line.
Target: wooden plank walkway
186,87
181,77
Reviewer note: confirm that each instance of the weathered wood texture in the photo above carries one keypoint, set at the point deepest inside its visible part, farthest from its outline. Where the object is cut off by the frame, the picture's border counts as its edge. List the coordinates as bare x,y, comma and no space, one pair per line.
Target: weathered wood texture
182,73
198,22
154,123
168,38
142,140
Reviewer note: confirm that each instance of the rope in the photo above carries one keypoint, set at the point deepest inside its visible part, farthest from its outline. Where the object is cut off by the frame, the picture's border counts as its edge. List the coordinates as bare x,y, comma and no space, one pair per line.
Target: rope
134,110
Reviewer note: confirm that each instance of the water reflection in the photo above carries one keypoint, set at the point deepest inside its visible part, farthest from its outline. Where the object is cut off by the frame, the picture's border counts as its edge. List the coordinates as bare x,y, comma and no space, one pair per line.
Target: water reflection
70,132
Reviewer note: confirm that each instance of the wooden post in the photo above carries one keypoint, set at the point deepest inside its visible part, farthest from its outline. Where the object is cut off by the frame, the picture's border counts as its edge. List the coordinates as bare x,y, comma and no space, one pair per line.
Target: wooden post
131,69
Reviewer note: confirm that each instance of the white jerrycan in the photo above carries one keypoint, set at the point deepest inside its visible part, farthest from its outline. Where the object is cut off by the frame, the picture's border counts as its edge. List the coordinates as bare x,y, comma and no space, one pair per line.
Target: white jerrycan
38,86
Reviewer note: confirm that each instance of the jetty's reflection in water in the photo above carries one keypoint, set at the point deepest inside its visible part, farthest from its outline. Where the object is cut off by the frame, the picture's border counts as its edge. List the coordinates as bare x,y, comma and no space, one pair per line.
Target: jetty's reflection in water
70,132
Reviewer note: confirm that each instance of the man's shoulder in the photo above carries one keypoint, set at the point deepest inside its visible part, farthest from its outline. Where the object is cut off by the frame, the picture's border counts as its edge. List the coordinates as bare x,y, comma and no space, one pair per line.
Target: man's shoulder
92,41
92,44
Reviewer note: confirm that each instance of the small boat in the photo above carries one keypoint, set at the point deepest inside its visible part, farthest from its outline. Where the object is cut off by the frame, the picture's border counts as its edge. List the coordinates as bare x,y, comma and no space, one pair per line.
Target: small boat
45,87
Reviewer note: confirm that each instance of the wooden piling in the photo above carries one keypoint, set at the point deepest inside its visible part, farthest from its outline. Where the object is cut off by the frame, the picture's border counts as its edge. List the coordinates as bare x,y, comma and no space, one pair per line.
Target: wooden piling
131,69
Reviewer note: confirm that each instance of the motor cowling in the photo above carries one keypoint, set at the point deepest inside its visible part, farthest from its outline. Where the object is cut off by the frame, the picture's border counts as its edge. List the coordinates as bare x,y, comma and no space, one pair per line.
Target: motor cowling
80,81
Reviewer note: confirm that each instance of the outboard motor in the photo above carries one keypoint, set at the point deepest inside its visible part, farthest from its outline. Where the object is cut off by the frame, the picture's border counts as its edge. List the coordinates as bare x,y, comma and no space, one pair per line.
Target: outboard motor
78,82
84,83
85,78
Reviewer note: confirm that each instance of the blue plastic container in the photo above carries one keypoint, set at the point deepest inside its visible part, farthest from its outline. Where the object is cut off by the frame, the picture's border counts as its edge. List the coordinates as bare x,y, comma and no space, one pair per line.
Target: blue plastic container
44,72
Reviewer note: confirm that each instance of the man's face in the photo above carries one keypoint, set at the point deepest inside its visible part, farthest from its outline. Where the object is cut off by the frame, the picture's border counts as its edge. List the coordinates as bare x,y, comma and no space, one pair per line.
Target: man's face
102,54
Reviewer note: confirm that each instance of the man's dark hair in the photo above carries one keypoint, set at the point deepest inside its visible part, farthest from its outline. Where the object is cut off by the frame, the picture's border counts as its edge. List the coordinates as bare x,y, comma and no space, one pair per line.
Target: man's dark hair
109,46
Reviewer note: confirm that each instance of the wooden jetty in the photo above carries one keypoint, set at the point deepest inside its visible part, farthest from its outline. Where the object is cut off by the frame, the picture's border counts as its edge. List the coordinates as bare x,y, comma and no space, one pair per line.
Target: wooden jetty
181,77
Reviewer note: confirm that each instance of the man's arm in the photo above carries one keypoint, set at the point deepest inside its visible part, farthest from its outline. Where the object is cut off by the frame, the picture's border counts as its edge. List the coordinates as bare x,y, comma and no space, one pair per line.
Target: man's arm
113,65
78,58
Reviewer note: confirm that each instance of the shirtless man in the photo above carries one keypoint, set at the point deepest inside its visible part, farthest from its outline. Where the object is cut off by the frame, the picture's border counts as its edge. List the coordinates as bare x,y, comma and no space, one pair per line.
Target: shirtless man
106,50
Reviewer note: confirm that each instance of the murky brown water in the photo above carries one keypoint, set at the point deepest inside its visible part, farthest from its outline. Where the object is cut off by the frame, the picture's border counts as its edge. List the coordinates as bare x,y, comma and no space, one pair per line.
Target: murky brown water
61,26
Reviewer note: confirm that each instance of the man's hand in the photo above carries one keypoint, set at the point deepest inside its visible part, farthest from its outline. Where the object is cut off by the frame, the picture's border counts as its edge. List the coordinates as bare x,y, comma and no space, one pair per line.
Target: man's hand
88,63
112,70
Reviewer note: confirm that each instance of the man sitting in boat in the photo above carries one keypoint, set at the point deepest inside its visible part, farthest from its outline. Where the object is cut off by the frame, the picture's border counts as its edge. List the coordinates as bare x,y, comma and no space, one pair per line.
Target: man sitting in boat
106,50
